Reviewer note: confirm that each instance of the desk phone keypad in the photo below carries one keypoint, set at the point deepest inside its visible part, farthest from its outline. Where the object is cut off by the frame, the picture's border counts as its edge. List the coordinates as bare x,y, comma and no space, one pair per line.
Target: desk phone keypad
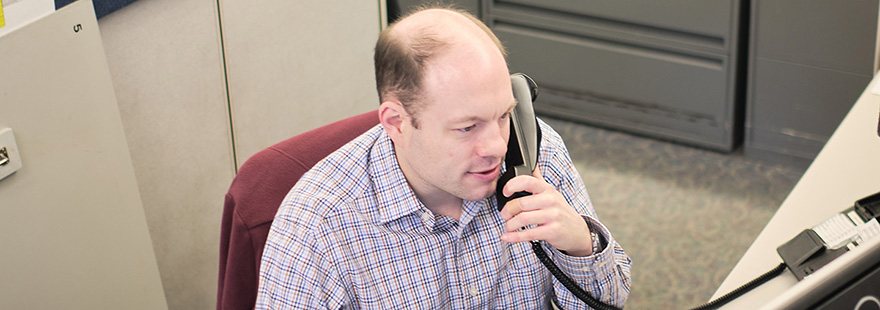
837,231
846,230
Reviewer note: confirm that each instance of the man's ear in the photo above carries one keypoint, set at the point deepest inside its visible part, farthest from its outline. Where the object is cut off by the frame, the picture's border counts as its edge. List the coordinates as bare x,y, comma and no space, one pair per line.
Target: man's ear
392,116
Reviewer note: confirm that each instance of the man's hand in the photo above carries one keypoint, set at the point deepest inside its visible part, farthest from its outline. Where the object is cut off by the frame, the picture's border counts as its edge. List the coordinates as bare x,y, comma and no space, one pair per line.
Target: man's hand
555,220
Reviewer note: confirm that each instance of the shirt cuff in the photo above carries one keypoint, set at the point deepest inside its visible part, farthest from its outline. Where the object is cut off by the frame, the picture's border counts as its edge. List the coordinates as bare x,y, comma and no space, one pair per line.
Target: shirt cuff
595,266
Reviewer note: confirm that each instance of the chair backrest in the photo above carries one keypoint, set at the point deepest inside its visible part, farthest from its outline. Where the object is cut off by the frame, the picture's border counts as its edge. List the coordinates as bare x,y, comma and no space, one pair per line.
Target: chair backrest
256,193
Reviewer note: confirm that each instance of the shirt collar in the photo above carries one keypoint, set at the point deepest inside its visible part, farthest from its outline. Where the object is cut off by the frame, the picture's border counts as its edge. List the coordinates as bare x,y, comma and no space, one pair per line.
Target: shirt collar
396,198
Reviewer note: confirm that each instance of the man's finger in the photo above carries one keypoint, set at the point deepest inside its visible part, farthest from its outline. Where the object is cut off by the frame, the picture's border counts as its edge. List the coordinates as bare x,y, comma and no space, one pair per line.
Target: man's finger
524,183
534,184
536,233
511,209
525,219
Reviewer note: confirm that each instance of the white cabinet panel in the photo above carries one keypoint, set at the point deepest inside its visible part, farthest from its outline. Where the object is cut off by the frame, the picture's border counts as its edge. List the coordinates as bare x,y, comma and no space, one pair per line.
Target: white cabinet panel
73,234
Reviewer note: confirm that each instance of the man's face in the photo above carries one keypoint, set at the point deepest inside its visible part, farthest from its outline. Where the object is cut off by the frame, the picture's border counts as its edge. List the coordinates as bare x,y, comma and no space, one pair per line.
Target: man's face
463,131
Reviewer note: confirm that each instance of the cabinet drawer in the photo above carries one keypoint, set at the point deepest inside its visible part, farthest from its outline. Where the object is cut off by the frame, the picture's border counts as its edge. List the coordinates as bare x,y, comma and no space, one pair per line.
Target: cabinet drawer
837,35
711,18
651,91
664,69
795,108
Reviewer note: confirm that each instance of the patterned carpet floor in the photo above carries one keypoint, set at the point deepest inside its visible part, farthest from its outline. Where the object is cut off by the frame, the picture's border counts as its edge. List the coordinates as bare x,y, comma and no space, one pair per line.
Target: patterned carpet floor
684,215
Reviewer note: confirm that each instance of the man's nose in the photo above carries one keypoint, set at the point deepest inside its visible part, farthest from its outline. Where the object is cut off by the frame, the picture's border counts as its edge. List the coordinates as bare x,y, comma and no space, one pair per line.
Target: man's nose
494,143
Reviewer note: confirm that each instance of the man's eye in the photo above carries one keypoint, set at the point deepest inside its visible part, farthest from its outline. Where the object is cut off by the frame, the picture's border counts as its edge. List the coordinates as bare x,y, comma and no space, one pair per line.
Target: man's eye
505,116
467,129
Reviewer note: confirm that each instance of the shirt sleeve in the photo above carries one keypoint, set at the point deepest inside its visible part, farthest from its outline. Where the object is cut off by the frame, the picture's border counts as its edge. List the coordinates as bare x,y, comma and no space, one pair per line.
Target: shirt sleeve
295,273
605,275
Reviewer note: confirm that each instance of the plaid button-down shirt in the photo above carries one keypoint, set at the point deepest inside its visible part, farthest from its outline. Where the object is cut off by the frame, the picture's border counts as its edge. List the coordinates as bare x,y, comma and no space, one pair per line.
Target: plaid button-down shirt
352,235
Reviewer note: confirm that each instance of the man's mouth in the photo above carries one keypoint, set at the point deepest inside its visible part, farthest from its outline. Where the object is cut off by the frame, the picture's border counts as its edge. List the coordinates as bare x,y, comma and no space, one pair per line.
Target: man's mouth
487,175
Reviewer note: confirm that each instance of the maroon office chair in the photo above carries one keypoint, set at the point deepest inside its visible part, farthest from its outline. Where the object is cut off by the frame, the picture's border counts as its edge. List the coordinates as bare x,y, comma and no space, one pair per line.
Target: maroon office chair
255,195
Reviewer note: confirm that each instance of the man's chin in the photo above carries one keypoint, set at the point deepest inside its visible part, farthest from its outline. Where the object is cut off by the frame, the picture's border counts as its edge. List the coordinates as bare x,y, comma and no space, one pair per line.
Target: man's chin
475,195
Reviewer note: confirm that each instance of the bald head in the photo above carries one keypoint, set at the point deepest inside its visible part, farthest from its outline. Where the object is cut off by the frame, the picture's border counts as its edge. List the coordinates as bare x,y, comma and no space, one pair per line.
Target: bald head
425,40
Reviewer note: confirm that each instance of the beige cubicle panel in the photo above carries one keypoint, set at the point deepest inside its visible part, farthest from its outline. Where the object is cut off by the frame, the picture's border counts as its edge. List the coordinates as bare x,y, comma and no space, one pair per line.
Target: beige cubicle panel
295,65
167,69
72,229
289,65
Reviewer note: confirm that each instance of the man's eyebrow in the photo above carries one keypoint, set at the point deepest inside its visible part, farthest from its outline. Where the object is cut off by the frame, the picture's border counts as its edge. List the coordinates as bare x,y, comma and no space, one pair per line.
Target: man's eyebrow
512,106
468,119
465,119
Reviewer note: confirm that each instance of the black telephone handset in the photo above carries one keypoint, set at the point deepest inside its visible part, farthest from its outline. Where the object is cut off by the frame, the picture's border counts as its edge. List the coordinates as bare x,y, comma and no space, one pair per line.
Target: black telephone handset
522,159
525,136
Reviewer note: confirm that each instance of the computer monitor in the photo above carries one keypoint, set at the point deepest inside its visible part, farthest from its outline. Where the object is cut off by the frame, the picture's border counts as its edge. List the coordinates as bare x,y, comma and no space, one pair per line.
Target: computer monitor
852,281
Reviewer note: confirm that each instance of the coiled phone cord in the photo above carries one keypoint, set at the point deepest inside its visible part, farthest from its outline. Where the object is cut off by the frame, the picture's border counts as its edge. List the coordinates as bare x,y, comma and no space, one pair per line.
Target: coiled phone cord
566,281
720,301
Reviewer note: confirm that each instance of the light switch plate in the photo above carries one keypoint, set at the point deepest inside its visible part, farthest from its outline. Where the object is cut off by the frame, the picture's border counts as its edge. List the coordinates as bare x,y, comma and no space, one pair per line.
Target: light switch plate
7,141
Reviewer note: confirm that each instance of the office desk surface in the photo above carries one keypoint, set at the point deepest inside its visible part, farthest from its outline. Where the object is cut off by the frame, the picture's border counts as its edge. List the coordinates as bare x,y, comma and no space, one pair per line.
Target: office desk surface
847,168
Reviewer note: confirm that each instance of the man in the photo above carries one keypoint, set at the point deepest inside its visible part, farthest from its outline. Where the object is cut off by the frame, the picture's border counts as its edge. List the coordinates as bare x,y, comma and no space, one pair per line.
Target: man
406,214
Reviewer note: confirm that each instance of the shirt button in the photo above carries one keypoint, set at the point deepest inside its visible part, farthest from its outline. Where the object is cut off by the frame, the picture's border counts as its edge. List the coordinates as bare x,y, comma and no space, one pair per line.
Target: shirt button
473,292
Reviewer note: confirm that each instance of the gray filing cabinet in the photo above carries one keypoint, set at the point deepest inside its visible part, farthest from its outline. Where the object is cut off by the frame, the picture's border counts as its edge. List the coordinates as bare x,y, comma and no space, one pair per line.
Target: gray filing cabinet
401,7
677,69
809,62
666,69
663,69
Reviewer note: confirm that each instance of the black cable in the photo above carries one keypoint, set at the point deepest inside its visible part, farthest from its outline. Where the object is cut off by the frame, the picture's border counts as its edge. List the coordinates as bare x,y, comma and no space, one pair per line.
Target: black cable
720,301
596,304
566,281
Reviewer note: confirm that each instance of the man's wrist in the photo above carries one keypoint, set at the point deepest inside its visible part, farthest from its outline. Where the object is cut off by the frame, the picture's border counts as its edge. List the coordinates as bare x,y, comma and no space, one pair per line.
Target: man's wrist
597,243
593,246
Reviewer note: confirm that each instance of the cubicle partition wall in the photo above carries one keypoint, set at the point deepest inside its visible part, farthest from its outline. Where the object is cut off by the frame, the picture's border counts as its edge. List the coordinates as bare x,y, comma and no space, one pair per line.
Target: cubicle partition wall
203,84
